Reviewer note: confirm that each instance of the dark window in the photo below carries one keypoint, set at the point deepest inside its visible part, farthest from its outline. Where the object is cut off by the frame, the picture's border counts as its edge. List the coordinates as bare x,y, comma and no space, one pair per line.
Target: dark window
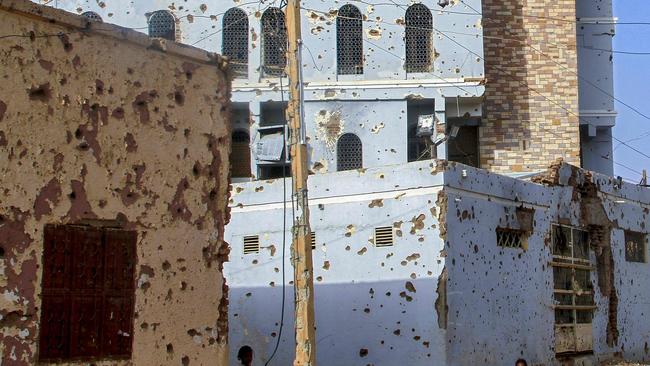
162,24
349,40
235,40
463,147
240,156
92,16
274,42
419,147
349,154
88,293
635,247
419,31
510,238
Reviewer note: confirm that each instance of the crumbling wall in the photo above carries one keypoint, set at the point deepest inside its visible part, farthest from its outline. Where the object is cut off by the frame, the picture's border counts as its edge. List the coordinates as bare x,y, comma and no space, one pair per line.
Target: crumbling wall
97,123
531,98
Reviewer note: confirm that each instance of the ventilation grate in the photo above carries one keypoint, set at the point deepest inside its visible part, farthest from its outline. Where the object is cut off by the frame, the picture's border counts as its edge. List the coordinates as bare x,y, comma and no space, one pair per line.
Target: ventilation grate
251,244
509,238
313,240
384,236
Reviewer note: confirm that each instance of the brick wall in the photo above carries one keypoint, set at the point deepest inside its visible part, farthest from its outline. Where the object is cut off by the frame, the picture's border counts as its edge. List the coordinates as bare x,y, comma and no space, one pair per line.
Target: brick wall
523,130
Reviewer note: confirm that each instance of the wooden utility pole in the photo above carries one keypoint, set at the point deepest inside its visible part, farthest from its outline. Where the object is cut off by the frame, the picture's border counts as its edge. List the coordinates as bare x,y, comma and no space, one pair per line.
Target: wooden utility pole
301,247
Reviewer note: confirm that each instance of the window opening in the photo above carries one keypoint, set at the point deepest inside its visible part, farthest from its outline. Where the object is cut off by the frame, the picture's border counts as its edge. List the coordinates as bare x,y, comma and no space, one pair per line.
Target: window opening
272,152
162,24
349,152
235,41
464,147
573,293
419,147
511,238
349,41
274,42
635,247
419,38
240,155
88,293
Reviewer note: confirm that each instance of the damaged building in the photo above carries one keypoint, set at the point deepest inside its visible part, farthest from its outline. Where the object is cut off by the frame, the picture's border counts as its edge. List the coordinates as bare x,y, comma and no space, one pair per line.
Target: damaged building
114,176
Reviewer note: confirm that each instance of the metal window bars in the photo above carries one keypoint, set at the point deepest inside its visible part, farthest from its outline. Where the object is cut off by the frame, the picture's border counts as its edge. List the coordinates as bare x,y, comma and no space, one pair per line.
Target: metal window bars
349,41
349,152
274,42
235,41
419,38
162,24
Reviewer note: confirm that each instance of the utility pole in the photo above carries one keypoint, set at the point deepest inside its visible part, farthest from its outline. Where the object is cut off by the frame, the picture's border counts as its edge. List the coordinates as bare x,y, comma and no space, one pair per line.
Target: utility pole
644,179
301,247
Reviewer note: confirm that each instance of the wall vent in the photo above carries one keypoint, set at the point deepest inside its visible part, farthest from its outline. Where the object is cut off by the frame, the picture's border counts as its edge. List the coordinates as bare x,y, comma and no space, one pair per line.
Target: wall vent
384,236
510,238
251,244
313,240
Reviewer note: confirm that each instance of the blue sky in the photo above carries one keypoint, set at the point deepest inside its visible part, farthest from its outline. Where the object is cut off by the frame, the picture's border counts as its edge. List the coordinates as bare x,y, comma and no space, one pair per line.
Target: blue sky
631,85
631,72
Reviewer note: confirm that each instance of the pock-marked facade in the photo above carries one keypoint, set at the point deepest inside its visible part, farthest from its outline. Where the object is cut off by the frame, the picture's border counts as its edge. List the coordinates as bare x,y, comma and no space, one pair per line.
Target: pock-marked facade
113,167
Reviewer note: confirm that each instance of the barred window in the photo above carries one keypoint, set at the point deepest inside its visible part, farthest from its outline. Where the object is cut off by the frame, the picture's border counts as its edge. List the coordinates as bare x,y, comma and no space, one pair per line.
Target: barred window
274,42
349,41
92,16
419,31
240,155
162,24
235,40
349,153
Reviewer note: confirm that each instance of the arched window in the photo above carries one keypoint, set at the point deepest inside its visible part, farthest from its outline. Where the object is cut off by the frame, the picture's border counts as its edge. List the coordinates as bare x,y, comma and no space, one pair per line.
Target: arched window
419,31
92,16
240,155
274,42
349,41
162,24
235,40
349,154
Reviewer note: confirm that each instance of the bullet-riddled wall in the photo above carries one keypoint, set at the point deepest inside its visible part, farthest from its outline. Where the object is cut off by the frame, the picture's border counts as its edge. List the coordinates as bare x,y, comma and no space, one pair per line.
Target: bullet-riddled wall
100,125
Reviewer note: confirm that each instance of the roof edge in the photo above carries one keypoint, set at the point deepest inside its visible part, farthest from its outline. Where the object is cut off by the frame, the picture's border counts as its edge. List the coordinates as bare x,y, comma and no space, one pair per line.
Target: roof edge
64,18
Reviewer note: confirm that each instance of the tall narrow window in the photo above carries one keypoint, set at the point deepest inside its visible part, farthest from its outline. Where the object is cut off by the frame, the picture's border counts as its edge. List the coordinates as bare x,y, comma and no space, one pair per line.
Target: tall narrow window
349,41
88,293
349,153
235,40
274,42
162,24
419,31
240,156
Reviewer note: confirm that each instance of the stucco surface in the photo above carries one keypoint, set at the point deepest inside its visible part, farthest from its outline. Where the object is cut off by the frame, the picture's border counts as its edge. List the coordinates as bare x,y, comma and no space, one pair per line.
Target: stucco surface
96,127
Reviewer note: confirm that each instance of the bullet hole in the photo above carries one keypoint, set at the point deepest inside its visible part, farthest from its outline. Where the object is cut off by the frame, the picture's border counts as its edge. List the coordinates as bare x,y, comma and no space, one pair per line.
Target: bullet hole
196,169
397,332
366,310
40,93
99,87
65,40
363,352
179,98
170,348
2,252
166,265
185,360
118,113
72,195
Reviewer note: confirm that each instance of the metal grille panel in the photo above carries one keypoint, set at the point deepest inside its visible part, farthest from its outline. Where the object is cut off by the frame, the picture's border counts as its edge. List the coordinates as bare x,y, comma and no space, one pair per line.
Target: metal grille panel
349,41
509,238
251,244
384,236
274,42
313,240
162,24
349,153
419,32
235,40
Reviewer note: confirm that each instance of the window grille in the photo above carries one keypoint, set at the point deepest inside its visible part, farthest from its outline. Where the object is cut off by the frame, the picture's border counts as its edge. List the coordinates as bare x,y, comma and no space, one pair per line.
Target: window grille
92,16
384,236
349,41
349,152
509,238
251,244
419,38
88,293
235,40
240,155
635,247
162,24
313,240
274,42
573,294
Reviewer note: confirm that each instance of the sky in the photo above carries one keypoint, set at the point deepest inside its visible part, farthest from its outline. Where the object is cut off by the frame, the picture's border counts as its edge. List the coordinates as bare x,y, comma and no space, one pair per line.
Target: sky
631,81
631,72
